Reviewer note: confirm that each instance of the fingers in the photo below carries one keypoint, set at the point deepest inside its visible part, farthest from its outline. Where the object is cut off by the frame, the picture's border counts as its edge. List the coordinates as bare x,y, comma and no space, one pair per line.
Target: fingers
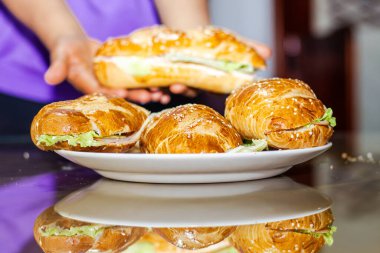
57,72
262,49
159,96
143,96
183,90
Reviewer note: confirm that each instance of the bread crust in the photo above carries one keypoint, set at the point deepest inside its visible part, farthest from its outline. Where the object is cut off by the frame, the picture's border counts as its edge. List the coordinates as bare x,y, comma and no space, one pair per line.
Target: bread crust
163,75
194,238
190,128
280,111
209,42
112,239
280,236
214,42
105,115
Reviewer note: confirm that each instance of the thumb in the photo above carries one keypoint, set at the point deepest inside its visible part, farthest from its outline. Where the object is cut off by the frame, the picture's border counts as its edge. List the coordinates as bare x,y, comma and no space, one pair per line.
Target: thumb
57,72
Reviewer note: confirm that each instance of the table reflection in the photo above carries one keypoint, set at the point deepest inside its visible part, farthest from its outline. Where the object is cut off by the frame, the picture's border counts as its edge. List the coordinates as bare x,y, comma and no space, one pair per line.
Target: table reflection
269,215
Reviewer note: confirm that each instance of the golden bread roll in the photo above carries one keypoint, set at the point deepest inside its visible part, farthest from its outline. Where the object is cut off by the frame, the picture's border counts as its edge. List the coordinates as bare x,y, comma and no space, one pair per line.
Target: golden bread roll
206,58
153,243
194,238
57,234
284,112
190,128
303,235
90,123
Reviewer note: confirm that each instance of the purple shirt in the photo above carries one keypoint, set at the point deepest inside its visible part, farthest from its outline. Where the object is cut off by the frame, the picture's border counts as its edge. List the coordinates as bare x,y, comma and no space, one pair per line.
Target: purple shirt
24,60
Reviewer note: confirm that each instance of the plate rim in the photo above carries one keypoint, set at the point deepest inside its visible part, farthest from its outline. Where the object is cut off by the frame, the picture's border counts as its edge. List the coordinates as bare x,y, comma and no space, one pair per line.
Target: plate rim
189,155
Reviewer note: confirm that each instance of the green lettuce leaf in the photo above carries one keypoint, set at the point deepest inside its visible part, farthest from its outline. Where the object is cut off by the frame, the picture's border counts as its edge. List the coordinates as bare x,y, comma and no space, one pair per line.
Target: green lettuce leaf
137,66
141,247
84,140
328,116
227,66
250,146
327,236
91,230
228,250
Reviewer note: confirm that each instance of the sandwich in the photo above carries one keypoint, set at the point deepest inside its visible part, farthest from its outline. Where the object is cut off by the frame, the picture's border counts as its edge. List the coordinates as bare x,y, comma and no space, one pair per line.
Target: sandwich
94,122
190,128
308,234
208,58
57,234
284,112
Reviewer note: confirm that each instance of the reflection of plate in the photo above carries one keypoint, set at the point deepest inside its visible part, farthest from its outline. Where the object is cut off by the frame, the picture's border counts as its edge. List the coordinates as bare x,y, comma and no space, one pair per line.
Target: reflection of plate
147,205
192,168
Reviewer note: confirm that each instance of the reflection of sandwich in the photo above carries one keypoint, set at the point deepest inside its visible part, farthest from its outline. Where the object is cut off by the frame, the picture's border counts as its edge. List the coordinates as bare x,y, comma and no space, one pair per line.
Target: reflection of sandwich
307,234
57,234
89,123
209,58
284,112
189,128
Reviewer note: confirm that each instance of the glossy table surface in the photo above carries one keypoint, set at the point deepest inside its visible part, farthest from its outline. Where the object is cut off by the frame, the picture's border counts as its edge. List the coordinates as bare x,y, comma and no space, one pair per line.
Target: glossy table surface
349,173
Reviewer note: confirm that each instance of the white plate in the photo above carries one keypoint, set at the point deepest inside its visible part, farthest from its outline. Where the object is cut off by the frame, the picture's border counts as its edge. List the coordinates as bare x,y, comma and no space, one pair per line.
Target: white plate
192,205
192,168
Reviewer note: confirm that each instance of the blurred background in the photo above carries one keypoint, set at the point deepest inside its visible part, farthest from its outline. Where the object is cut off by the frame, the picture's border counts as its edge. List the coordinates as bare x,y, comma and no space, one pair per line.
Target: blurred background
333,45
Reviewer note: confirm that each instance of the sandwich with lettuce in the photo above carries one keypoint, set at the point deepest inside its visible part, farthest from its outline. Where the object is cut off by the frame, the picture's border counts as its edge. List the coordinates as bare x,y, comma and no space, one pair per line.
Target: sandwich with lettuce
93,122
306,234
206,58
57,234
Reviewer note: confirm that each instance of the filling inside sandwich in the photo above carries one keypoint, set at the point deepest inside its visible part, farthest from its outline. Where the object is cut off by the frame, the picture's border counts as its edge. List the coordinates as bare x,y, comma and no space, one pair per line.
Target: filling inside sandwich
327,233
88,230
83,140
148,247
224,65
92,138
326,119
140,66
250,146
88,139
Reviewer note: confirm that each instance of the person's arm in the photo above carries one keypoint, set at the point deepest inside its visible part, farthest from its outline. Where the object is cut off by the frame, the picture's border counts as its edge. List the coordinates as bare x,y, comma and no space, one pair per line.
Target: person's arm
183,14
50,20
71,51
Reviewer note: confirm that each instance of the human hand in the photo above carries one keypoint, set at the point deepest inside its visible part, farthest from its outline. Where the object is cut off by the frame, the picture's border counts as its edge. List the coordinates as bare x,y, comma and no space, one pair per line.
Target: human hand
261,48
158,95
72,59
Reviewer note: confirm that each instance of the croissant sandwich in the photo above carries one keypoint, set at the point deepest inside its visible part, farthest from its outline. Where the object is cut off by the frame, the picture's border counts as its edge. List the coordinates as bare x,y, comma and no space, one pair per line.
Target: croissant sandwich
304,235
284,112
190,128
209,58
90,123
57,234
